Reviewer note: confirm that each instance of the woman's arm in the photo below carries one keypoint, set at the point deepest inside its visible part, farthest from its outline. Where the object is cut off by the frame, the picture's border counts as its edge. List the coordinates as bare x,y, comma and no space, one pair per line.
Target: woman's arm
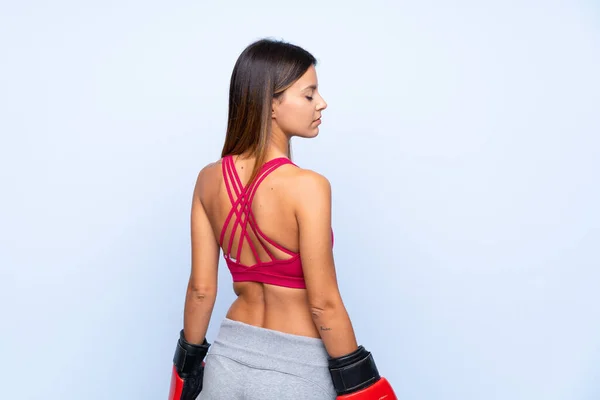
353,370
313,213
202,287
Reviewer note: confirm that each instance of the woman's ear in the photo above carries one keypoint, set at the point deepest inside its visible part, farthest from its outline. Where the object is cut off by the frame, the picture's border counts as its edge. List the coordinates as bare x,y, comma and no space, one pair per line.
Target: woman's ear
274,108
275,104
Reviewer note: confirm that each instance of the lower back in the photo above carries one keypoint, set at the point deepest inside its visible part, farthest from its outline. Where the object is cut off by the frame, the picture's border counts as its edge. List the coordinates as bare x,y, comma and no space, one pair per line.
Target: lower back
272,307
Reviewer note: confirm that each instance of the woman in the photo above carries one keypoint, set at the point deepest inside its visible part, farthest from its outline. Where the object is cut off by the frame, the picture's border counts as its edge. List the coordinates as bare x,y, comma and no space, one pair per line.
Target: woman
287,335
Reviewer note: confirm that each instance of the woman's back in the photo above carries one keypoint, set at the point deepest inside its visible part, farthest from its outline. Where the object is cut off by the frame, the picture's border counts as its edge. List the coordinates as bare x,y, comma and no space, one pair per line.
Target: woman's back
257,229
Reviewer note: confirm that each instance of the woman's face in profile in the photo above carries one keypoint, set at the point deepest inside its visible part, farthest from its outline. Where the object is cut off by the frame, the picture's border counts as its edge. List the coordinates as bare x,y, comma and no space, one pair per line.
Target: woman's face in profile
297,112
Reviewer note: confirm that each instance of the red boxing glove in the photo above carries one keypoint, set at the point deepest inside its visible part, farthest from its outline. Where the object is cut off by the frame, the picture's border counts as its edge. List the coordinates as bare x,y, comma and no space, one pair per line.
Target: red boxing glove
380,390
188,369
355,377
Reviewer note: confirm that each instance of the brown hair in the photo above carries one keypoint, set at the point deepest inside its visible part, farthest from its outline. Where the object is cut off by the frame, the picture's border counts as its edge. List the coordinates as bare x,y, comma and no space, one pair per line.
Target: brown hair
264,70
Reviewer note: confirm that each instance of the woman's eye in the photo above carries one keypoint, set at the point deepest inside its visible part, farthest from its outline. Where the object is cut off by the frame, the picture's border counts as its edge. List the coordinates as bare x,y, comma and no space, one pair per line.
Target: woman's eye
309,98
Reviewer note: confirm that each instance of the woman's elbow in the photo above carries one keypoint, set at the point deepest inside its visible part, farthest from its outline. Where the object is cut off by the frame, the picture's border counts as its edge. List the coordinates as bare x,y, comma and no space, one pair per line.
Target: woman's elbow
201,293
325,304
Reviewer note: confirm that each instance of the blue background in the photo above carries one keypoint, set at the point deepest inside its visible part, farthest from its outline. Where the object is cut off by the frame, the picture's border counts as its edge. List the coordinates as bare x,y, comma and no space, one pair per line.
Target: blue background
462,145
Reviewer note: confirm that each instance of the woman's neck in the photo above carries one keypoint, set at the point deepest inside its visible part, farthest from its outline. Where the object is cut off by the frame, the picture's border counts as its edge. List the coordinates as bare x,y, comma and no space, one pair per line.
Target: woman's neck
279,146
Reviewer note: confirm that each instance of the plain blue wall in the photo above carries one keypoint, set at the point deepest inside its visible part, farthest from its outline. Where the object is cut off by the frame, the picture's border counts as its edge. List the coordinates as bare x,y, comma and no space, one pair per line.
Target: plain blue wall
461,142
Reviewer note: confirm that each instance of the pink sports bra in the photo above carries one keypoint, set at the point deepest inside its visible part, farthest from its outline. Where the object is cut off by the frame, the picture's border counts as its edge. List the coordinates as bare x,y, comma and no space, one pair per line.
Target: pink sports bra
287,272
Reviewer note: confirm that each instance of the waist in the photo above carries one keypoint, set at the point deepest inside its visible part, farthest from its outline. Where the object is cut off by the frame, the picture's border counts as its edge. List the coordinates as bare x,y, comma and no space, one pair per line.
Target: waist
266,348
274,311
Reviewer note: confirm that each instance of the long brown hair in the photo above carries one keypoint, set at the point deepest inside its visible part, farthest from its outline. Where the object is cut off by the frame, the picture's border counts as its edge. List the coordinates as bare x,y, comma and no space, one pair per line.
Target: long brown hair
263,71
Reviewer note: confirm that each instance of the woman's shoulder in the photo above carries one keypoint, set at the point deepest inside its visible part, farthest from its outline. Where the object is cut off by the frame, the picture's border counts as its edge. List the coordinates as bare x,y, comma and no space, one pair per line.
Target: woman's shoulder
309,178
310,194
208,175
306,183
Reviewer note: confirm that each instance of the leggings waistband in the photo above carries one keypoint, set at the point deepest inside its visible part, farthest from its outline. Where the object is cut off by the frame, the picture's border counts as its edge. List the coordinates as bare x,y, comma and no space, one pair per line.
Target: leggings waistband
266,348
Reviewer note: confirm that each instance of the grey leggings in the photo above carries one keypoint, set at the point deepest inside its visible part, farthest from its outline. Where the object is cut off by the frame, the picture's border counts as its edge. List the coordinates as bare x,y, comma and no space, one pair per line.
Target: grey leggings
251,363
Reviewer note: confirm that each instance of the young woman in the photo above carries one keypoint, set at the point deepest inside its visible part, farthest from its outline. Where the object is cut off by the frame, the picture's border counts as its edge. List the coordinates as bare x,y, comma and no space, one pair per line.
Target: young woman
287,335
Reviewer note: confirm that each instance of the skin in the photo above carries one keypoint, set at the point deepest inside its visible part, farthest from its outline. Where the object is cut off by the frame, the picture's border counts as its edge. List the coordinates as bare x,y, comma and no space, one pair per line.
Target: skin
292,206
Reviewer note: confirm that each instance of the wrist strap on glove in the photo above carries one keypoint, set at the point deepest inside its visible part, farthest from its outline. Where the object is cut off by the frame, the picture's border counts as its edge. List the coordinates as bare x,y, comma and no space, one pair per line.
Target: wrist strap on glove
353,372
188,356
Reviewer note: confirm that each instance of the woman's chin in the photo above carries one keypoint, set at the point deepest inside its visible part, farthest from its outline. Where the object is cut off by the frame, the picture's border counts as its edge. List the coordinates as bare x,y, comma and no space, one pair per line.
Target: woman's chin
314,132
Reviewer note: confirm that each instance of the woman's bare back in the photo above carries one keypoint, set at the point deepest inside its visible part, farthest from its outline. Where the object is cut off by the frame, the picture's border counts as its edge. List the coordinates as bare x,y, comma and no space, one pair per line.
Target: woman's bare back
268,306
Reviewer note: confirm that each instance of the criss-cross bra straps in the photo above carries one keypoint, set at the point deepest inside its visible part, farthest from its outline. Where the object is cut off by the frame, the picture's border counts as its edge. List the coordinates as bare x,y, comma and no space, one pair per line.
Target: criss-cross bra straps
241,207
